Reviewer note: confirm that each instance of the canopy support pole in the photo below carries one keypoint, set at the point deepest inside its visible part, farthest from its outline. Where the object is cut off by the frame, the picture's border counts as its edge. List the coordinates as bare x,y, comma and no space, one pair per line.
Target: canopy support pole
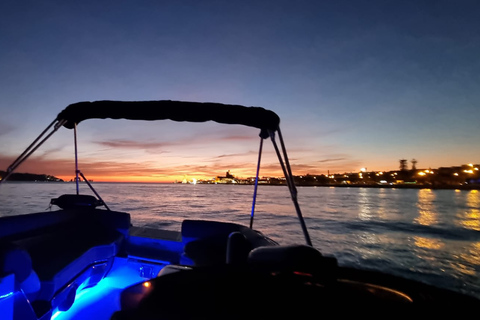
94,191
256,182
287,171
32,147
76,157
78,172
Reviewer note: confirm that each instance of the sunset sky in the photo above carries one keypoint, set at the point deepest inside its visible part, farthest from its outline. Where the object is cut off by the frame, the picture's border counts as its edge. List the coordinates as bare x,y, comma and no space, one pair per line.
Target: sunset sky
357,84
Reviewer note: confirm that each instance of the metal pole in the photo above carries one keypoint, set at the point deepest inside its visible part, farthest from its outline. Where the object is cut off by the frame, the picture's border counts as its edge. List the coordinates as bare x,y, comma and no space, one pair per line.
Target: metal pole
291,184
25,155
76,157
93,189
256,183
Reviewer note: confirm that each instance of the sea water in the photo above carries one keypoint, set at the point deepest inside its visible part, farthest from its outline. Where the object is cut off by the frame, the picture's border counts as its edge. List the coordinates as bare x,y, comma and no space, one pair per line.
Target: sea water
422,234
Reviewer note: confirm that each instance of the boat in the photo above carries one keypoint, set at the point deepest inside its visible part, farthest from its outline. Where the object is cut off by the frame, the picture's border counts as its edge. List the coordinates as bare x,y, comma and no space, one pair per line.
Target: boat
85,260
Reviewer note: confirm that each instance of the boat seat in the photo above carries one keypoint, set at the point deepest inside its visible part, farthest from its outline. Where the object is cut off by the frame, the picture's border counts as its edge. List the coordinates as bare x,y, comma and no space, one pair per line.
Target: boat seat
238,249
60,256
206,242
297,258
15,260
67,246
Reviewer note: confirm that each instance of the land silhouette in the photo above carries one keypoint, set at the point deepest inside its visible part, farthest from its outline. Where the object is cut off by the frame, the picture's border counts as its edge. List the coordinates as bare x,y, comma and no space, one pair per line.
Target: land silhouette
17,176
465,176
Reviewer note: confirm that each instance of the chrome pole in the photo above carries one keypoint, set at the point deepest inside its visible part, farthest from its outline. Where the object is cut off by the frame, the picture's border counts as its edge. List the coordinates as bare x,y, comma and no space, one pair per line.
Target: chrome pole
256,183
76,157
287,171
32,148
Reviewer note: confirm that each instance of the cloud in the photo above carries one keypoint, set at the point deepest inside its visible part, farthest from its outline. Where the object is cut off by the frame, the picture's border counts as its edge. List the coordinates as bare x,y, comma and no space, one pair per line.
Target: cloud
196,139
235,155
5,128
331,160
130,144
238,138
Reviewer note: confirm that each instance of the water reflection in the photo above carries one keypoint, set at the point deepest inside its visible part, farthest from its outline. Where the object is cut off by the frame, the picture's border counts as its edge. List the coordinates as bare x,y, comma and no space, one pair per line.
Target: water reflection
382,197
363,201
470,218
371,203
427,215
472,257
414,232
428,243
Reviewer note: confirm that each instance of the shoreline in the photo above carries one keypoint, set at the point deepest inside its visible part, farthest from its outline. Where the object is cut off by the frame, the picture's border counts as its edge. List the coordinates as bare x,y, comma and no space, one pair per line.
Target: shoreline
339,185
397,186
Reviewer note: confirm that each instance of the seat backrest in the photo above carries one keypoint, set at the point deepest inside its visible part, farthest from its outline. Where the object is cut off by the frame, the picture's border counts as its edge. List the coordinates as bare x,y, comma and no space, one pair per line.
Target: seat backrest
238,248
15,260
291,258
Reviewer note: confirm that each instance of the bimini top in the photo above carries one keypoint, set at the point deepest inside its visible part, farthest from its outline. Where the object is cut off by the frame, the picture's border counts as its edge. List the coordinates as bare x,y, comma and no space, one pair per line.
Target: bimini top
170,110
267,121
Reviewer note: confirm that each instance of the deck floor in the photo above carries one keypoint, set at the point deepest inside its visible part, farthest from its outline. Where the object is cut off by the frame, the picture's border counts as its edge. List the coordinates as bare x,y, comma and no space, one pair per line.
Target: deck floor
155,233
101,301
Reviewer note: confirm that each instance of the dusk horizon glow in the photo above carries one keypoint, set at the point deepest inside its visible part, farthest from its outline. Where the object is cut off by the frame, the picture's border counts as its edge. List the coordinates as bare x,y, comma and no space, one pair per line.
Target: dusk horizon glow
356,84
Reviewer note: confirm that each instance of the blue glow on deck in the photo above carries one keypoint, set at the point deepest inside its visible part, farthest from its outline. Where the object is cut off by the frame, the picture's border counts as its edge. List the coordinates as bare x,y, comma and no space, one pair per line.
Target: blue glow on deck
101,301
7,295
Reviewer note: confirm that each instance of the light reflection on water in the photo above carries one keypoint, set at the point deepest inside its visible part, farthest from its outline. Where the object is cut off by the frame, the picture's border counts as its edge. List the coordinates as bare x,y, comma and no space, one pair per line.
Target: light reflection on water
471,255
428,243
471,217
427,214
428,235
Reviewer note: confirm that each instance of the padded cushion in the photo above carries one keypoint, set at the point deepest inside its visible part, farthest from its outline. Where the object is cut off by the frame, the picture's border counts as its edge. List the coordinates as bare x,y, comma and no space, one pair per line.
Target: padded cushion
293,258
61,246
60,256
14,260
203,229
31,286
206,241
238,248
207,251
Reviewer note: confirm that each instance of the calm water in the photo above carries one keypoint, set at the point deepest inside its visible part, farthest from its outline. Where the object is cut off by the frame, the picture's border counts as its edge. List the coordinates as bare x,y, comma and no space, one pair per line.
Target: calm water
427,235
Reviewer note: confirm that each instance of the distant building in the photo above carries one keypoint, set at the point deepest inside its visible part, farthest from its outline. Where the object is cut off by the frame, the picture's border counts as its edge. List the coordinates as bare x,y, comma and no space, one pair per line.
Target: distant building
227,179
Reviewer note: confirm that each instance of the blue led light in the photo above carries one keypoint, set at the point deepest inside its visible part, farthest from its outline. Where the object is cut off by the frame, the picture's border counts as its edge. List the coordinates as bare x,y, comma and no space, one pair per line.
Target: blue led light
6,295
103,299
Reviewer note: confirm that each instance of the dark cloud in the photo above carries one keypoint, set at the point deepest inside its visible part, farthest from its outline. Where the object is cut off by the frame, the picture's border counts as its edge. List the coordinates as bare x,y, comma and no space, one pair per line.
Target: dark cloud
235,155
132,144
331,160
129,144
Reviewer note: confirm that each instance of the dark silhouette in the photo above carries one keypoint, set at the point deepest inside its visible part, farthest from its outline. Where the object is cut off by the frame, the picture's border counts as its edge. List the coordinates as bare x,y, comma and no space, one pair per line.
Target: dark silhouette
30,177
414,164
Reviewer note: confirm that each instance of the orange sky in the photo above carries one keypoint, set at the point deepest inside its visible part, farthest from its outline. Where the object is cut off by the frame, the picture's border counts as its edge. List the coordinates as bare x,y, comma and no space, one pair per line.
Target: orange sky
149,170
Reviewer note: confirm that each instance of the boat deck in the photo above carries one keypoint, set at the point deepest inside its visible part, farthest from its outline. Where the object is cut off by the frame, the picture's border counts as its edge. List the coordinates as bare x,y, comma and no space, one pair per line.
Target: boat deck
155,233
102,300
